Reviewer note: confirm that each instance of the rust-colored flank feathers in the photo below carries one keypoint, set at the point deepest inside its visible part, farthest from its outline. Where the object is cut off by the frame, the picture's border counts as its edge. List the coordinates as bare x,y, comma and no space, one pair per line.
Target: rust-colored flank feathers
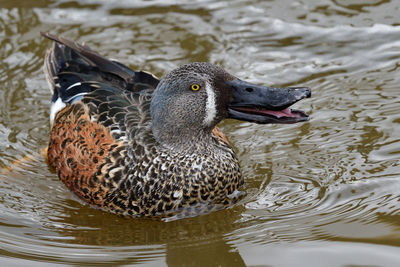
76,150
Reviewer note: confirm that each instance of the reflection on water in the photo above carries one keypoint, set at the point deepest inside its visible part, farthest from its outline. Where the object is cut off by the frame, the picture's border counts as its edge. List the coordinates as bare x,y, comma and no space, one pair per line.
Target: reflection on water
322,191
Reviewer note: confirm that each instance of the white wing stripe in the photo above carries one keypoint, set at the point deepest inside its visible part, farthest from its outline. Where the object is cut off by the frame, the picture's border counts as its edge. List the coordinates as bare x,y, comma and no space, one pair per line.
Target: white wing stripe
73,85
55,108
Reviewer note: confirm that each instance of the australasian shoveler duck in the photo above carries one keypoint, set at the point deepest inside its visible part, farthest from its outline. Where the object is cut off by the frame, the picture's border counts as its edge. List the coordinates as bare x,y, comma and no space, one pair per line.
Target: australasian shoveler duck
131,144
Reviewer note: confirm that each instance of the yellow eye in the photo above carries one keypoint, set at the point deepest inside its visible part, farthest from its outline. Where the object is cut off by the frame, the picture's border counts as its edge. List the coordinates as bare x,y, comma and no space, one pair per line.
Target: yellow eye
195,87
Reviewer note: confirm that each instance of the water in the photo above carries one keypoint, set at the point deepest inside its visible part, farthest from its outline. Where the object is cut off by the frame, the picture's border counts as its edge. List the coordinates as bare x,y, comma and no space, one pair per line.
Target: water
321,193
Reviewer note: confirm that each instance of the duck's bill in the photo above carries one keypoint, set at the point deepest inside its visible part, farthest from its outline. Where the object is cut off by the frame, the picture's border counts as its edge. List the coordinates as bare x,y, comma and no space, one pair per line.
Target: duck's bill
262,104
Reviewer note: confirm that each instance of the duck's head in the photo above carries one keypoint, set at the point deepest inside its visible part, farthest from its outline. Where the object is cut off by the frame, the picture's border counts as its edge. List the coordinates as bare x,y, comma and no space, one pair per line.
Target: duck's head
190,100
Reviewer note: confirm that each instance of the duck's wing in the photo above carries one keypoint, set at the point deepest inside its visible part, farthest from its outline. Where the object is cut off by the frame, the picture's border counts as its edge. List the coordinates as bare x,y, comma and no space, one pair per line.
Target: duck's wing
68,56
100,112
114,94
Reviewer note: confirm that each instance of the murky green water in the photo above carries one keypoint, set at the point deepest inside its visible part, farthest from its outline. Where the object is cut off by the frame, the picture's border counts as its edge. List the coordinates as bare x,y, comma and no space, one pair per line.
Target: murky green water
321,193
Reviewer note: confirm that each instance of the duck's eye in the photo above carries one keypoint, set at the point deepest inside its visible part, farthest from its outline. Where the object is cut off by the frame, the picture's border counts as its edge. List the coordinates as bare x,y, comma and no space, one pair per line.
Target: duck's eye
195,87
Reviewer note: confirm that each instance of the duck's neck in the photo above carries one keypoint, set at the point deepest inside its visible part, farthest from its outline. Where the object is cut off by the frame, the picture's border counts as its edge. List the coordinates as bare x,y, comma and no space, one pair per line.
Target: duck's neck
184,139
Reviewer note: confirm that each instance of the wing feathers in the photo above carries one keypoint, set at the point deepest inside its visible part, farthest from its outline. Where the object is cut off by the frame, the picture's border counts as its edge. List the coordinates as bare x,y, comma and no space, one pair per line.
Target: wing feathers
116,97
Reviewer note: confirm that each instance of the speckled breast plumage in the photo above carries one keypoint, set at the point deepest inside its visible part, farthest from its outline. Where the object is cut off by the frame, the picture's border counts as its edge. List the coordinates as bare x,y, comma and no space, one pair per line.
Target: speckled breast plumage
103,149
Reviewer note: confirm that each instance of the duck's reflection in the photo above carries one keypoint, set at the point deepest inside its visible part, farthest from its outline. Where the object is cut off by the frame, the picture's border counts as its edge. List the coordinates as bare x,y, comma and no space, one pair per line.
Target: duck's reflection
198,241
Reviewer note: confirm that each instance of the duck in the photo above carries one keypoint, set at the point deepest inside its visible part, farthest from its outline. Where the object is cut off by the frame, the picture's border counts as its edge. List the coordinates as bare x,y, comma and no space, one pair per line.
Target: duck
129,143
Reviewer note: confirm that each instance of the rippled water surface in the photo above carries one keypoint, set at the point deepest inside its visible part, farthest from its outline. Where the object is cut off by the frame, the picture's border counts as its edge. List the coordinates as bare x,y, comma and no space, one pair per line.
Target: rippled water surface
321,193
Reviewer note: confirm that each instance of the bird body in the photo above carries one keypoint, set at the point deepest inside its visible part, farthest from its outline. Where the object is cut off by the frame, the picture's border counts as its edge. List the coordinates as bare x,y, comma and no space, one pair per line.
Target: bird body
131,144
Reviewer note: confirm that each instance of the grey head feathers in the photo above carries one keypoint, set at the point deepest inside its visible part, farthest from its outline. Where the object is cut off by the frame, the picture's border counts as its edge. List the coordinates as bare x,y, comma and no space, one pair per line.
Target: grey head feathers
179,112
